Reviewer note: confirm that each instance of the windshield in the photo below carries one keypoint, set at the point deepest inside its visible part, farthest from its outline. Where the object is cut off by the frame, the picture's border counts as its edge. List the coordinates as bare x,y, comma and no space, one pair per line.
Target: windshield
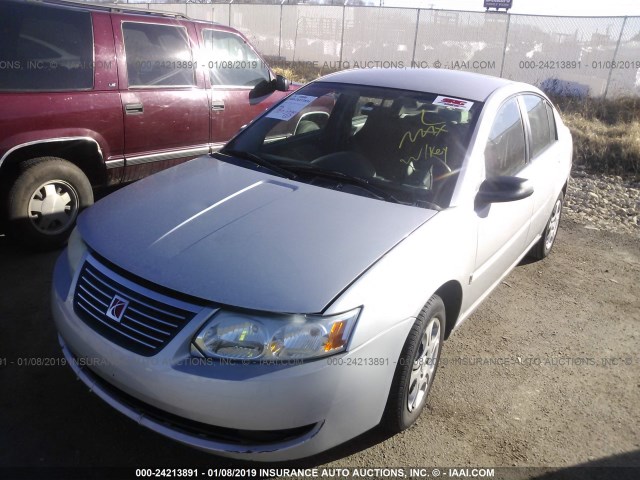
410,145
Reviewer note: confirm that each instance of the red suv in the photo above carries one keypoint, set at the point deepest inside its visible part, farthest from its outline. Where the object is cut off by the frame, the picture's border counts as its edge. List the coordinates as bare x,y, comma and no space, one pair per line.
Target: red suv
95,96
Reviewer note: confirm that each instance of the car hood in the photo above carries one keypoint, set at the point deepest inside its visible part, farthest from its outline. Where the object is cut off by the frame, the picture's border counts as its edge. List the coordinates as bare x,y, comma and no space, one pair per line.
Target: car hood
244,238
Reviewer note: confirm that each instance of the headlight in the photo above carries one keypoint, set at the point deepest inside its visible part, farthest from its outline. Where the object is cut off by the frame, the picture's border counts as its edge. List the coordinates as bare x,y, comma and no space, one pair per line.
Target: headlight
75,250
239,336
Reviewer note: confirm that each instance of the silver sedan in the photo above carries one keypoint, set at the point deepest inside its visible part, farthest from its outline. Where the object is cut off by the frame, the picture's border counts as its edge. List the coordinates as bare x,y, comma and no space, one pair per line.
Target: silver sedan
295,289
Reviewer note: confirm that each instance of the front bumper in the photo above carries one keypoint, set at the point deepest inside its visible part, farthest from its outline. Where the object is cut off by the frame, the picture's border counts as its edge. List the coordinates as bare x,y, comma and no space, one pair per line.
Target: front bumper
265,412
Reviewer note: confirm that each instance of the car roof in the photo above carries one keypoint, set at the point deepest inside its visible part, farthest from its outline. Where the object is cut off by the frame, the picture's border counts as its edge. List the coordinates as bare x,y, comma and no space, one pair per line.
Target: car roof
467,85
120,8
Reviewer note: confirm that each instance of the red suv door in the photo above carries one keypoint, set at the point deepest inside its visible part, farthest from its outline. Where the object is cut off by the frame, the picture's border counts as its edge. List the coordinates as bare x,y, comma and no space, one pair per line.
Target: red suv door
166,109
241,83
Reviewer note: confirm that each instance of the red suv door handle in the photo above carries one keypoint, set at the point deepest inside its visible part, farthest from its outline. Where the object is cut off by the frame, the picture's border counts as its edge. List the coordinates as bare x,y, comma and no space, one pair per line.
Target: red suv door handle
133,108
217,105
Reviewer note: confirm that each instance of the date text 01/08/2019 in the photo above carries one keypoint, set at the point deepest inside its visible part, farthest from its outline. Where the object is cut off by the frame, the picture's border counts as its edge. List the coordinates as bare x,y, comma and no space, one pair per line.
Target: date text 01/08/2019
577,64
190,64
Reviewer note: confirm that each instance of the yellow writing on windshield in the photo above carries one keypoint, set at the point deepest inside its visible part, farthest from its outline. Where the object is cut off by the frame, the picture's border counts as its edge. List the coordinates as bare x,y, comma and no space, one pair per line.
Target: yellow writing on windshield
412,159
434,128
430,151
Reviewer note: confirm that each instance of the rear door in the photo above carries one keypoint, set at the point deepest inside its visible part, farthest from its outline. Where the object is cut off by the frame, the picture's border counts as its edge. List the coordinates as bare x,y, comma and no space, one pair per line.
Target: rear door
545,157
165,105
58,79
238,79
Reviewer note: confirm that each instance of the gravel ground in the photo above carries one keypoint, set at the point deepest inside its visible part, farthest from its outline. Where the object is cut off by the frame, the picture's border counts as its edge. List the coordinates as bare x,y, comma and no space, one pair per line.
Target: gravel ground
546,373
604,202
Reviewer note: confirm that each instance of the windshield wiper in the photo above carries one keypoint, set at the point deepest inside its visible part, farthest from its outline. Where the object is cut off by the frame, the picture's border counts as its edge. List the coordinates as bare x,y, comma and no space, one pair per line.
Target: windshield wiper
259,161
360,182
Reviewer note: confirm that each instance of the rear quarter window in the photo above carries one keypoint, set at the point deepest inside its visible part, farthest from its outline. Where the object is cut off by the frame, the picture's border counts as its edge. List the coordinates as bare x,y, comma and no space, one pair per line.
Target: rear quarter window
552,122
45,48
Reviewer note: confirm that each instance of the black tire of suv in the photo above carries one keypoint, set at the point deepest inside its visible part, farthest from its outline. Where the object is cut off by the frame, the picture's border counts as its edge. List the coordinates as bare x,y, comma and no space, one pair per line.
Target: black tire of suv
62,178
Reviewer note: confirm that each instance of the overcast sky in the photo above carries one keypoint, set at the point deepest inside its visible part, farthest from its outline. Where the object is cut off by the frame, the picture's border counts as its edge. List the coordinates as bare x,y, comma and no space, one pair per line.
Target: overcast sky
541,7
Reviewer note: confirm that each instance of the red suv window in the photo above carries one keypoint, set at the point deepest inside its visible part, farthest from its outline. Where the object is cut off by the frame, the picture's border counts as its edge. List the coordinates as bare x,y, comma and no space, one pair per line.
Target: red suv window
158,55
231,61
45,48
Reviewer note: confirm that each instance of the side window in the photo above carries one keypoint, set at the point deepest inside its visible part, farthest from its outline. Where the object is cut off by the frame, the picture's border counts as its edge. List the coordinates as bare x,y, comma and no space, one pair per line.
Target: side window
158,55
541,136
552,122
231,61
45,48
505,151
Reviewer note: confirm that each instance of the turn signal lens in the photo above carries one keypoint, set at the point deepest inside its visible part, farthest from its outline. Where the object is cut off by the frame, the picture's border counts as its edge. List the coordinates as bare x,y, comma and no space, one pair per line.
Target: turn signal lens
336,337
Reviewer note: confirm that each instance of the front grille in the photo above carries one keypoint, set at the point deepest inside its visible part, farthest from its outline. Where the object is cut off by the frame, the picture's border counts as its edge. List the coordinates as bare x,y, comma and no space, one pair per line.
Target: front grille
146,325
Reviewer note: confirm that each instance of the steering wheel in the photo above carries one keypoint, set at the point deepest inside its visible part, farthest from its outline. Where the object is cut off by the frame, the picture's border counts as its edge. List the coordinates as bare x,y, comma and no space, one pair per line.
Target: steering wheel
432,168
439,163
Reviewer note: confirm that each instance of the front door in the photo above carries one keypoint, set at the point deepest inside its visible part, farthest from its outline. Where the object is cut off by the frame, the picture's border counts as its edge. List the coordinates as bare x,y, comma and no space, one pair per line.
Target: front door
502,227
240,82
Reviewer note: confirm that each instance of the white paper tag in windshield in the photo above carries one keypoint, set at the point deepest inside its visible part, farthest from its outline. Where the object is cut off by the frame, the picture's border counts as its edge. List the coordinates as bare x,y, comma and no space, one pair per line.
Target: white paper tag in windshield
455,103
292,105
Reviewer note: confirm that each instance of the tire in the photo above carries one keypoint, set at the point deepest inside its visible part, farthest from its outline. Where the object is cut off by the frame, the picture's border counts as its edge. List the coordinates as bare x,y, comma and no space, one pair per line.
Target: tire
419,359
44,202
542,249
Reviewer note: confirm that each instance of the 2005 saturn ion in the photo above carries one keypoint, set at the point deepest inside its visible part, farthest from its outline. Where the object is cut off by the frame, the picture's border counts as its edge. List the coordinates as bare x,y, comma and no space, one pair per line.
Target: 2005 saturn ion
294,290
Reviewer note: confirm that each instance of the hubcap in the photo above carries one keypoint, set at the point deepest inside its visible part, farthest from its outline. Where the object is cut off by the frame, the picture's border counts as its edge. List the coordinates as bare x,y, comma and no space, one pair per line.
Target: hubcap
424,365
53,207
553,225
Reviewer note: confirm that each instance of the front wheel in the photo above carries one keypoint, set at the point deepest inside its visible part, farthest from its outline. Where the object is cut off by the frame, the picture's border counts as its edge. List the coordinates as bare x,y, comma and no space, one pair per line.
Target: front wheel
416,368
542,249
44,202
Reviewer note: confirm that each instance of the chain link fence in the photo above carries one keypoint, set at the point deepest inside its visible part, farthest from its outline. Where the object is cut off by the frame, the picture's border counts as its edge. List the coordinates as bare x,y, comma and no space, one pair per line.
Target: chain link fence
596,56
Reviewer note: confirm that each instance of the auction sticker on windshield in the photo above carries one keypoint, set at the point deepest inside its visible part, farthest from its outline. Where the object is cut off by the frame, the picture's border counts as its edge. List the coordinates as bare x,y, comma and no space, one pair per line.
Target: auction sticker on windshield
290,107
453,103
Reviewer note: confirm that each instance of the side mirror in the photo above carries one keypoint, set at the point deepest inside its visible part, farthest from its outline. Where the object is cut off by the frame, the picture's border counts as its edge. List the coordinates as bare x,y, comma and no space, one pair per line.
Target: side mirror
263,88
503,189
282,84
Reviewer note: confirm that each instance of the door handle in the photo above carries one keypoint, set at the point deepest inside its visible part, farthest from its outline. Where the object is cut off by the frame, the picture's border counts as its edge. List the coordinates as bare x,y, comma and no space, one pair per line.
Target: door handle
133,108
217,105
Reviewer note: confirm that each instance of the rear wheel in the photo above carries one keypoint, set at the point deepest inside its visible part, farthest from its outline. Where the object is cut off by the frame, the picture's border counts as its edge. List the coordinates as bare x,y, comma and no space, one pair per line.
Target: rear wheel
416,368
44,202
541,249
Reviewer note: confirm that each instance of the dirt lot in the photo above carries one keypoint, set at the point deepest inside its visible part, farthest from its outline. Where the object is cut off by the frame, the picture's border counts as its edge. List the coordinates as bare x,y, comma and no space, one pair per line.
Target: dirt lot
545,373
